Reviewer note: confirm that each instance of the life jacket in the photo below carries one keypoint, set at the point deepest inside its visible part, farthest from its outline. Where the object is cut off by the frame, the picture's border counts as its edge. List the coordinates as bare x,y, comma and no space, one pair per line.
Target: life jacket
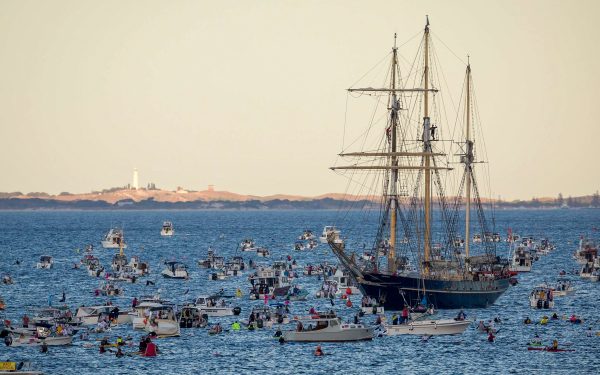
150,350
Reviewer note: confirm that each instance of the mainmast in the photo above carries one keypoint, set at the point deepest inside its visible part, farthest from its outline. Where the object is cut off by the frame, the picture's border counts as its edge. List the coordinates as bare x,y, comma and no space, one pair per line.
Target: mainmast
427,151
395,106
468,160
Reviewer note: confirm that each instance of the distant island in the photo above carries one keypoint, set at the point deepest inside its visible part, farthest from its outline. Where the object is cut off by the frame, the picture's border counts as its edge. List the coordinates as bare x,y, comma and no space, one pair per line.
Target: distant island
126,198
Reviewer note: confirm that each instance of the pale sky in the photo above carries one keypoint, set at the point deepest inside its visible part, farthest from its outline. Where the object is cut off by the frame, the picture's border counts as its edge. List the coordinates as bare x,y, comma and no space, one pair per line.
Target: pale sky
250,95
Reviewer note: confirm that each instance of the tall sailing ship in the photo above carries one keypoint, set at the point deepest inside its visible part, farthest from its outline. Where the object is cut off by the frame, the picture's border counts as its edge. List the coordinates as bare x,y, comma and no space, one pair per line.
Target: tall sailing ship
410,162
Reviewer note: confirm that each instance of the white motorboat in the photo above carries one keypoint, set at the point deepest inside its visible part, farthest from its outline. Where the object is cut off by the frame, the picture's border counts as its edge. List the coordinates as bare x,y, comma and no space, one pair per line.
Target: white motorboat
114,239
268,281
327,328
521,260
92,315
141,311
248,245
307,235
46,262
344,283
264,315
118,262
330,229
162,321
108,289
563,288
262,252
541,297
140,268
328,290
23,340
428,327
175,270
191,316
167,229
587,251
213,307
212,261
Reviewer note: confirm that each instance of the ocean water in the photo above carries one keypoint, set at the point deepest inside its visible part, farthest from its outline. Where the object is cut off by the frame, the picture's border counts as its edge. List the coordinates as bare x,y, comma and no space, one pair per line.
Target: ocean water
27,235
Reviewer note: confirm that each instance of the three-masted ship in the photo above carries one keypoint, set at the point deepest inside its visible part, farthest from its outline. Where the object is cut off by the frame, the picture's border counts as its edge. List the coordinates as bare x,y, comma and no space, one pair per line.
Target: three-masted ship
450,273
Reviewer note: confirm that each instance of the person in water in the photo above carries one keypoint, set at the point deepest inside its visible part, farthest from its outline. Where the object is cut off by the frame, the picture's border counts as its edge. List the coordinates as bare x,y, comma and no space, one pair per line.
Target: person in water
527,320
536,340
151,348
491,336
103,344
554,316
44,348
555,344
319,352
119,353
235,326
142,346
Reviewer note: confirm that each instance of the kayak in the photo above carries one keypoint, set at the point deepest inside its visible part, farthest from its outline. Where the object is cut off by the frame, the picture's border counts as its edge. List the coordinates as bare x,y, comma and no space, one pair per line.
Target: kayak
548,349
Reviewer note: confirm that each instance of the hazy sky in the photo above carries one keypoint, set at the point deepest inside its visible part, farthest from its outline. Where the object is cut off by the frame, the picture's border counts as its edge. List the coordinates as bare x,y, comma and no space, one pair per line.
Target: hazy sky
249,95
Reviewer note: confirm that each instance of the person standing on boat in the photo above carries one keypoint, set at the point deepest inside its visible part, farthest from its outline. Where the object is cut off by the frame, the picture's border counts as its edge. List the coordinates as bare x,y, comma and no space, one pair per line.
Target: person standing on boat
404,315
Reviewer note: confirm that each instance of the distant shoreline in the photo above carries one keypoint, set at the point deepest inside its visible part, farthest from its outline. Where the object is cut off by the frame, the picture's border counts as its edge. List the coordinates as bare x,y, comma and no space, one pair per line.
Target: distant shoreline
37,204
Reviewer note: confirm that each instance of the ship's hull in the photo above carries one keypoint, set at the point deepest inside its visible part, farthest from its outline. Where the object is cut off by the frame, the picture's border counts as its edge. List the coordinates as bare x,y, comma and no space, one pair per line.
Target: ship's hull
393,292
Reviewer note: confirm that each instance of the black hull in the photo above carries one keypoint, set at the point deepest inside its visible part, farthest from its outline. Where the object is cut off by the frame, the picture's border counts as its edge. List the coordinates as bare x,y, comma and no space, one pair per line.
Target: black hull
393,292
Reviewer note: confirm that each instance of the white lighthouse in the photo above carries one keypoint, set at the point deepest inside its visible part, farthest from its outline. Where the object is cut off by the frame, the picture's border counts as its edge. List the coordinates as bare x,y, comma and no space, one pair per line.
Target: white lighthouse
136,184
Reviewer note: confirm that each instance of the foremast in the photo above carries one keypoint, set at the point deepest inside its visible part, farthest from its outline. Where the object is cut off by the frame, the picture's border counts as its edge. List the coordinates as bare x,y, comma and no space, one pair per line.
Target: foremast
393,155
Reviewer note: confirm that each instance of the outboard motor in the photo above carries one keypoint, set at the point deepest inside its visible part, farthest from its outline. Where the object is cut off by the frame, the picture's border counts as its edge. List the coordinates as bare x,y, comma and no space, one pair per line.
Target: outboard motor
539,304
237,310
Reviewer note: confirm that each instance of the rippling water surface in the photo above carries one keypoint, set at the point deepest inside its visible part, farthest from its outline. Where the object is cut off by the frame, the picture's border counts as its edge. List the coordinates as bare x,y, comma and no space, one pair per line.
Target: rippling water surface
27,235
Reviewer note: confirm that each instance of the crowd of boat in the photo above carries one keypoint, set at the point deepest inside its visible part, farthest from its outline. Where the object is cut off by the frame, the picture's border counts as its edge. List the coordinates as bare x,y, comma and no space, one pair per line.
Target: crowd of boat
276,285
